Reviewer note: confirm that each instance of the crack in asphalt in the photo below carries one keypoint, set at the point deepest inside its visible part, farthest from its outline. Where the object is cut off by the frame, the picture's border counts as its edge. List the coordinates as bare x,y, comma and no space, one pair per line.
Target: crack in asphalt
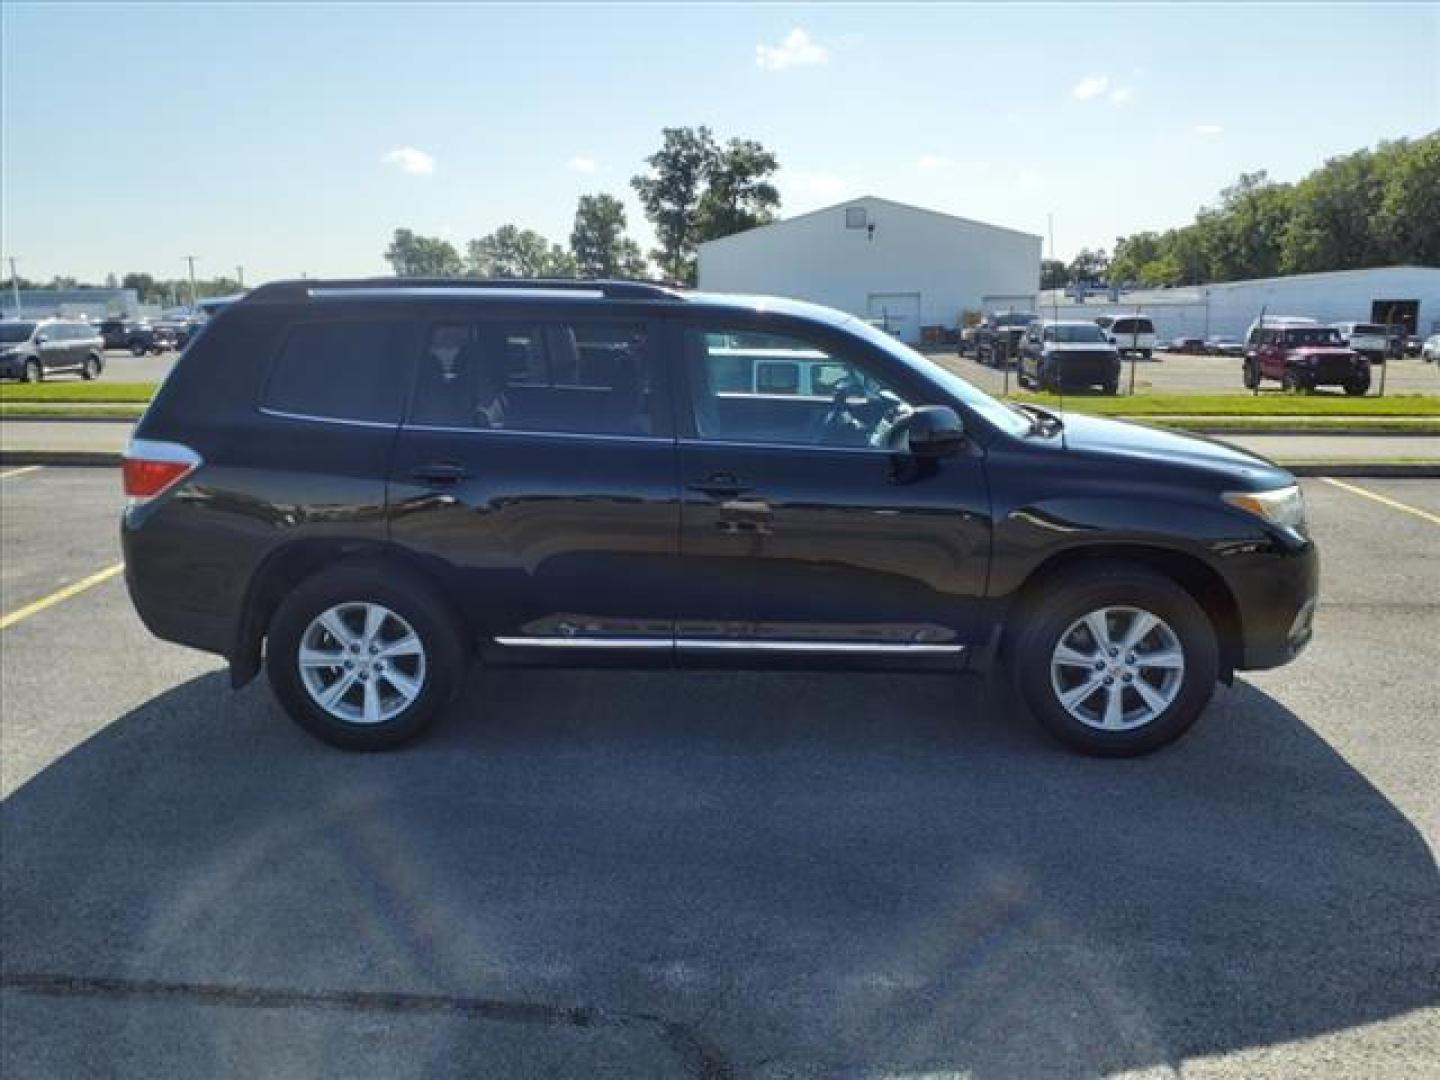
702,1060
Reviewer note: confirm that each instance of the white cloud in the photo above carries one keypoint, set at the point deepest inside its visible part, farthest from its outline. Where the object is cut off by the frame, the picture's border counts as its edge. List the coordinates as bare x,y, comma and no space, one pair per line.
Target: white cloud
1092,86
818,185
934,162
1208,129
1122,95
409,160
581,163
797,50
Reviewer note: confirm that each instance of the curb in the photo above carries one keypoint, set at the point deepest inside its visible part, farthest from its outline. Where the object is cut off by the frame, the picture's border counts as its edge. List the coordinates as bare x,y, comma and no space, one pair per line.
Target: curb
1376,469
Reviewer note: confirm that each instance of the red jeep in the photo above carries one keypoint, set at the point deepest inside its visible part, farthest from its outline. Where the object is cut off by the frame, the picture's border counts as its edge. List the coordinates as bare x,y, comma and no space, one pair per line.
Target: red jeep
1302,357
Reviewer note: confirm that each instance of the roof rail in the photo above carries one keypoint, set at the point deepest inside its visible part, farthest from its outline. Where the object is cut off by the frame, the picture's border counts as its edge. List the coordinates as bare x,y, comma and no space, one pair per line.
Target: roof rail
356,288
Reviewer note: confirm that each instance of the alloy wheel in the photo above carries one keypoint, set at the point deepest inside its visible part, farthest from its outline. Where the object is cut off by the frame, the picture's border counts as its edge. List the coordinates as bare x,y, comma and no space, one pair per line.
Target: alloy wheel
361,662
1117,668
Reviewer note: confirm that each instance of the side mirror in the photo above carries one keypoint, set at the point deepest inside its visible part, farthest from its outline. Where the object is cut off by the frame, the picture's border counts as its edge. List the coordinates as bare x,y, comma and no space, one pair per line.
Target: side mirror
40,339
934,431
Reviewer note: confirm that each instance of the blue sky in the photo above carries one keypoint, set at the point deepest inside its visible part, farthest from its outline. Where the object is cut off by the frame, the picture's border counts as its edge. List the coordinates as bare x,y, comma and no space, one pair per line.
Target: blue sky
294,138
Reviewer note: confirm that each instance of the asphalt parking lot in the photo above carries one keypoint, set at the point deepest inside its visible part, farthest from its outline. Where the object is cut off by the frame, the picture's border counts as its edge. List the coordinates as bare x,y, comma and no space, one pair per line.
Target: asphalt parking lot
121,366
1171,373
617,874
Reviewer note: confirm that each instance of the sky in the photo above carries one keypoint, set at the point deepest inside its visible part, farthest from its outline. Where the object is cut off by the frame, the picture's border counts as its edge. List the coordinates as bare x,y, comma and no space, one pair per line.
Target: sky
293,139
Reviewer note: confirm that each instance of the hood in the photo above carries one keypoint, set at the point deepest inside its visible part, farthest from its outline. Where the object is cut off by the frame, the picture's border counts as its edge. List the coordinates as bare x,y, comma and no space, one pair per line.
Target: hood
1139,443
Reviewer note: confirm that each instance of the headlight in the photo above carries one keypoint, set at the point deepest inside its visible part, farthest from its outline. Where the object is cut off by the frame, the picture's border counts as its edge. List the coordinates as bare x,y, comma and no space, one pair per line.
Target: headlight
1283,506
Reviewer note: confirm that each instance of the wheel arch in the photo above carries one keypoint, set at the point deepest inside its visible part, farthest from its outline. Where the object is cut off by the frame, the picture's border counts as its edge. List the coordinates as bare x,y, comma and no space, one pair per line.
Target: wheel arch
1204,584
286,567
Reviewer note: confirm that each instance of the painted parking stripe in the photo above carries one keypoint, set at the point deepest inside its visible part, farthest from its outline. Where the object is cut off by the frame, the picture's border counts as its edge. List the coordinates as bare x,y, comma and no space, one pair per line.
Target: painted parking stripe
20,471
1394,504
73,589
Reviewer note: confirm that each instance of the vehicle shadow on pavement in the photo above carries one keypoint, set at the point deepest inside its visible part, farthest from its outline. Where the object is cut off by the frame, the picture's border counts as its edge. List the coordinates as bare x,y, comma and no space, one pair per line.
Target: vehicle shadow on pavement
781,874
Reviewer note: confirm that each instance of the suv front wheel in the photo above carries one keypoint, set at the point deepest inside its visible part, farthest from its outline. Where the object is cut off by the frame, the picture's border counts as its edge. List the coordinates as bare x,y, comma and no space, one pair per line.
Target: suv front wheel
364,657
1115,660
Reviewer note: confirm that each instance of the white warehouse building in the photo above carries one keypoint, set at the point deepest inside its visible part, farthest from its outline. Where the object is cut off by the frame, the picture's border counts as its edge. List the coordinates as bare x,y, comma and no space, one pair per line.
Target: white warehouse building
903,266
1408,295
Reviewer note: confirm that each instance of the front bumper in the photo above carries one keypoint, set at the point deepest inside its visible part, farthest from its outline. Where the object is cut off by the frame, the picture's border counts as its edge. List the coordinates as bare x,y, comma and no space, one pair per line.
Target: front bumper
1276,594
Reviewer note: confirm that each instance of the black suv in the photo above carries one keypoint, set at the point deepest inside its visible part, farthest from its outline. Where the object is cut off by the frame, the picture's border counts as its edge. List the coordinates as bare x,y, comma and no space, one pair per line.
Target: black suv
371,483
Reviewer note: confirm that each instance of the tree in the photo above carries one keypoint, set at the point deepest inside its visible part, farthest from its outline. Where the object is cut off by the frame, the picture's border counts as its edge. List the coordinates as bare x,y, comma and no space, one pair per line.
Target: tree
1408,221
143,284
670,194
1089,265
1053,274
738,193
511,252
422,256
598,242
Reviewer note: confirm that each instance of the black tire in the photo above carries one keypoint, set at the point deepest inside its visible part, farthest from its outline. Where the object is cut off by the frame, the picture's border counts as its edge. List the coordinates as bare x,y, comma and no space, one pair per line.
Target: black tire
1290,383
137,350
408,596
1251,375
1146,354
34,372
91,368
1054,606
1358,386
1111,387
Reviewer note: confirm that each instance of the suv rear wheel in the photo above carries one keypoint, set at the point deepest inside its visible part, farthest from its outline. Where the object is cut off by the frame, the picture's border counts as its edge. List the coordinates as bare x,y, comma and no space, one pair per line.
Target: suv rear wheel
1357,385
1115,659
1252,375
364,657
91,368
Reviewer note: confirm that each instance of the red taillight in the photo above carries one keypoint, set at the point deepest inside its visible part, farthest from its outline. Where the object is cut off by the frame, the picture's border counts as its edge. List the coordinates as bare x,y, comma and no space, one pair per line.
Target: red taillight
151,467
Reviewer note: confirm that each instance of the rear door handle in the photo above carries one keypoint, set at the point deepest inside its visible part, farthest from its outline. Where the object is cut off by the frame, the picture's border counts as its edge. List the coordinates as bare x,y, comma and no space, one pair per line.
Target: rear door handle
440,472
720,485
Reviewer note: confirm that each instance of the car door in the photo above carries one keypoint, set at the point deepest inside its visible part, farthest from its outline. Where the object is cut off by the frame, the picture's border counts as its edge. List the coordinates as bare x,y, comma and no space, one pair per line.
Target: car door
55,347
800,538
536,467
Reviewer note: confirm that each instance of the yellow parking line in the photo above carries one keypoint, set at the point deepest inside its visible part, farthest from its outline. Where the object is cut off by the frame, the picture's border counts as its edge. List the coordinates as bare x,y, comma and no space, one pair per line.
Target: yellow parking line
20,471
1394,504
20,614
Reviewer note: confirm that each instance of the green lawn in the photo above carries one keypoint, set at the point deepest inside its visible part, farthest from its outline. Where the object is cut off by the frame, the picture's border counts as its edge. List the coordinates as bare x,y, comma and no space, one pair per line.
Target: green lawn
75,390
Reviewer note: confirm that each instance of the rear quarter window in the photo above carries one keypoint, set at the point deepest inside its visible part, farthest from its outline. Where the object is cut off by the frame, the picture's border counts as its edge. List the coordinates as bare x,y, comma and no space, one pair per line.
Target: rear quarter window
350,370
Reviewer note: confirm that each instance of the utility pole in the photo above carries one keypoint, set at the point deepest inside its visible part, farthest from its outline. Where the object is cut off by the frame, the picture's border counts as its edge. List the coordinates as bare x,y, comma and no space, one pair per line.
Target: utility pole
15,286
240,276
191,260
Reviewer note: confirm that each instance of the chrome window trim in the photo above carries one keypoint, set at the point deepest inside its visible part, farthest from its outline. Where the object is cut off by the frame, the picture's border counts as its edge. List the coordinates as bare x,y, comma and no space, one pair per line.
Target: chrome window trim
586,642
735,444
455,430
307,417
420,292
736,645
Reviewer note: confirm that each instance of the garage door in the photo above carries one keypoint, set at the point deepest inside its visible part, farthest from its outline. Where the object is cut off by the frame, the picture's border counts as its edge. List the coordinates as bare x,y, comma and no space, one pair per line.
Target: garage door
899,313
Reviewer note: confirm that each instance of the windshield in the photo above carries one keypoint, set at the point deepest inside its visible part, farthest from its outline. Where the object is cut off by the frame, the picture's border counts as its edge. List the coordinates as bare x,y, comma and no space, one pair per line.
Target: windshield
1014,318
1078,332
997,413
1133,326
1319,335
13,332
1370,329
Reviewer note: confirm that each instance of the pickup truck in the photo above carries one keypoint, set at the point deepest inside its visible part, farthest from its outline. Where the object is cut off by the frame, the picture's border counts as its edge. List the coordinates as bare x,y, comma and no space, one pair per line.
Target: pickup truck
998,338
1370,340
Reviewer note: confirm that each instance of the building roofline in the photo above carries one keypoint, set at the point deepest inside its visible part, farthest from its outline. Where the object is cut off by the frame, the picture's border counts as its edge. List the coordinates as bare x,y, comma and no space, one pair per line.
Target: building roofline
878,199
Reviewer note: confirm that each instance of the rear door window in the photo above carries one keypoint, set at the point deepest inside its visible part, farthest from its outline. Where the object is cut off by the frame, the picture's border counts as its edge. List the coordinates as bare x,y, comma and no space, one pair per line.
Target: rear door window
350,370
595,378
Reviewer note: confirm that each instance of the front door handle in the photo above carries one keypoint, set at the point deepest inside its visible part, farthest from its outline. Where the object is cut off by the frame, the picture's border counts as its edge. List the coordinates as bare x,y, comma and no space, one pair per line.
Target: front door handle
440,472
720,485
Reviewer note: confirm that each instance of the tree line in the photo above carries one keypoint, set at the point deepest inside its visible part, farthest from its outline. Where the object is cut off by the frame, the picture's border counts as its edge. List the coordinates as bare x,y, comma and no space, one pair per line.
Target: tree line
150,289
1376,207
694,189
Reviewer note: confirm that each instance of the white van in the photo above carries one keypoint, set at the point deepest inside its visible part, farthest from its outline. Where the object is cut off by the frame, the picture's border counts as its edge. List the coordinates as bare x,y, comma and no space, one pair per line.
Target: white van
1133,334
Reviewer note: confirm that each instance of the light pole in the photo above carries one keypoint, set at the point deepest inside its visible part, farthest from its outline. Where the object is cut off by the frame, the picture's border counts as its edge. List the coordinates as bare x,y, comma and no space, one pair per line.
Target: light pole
240,276
15,286
191,260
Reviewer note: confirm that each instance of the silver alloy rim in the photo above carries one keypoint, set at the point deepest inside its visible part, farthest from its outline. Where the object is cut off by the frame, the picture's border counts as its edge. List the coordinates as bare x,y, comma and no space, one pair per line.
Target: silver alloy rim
361,662
1117,668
